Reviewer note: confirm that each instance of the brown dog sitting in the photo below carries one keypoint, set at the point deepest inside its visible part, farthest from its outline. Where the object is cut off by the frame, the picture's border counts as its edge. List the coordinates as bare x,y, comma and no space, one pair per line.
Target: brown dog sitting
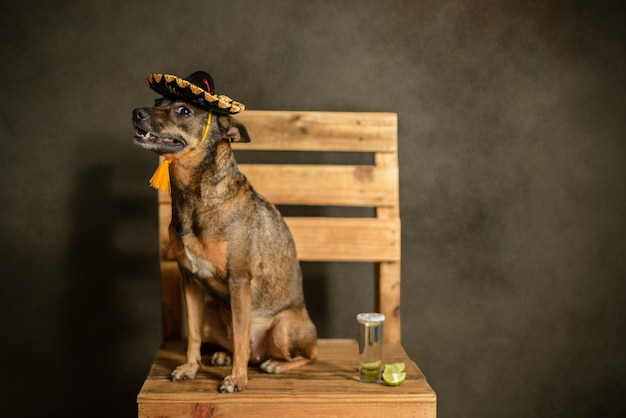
228,240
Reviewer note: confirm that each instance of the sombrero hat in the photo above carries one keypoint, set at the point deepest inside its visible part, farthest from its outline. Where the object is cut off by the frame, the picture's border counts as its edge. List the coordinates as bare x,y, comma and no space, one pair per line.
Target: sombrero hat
197,88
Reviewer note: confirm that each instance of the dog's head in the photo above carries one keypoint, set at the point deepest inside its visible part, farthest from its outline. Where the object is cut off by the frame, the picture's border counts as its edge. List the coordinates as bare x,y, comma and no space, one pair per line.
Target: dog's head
174,128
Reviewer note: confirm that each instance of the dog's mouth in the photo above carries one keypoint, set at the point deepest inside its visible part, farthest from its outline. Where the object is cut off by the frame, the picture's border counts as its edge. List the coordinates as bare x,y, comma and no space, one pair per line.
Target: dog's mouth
158,143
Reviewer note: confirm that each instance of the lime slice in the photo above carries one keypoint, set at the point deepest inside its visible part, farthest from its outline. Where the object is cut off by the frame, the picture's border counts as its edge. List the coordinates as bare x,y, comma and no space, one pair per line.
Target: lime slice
394,367
394,378
370,366
370,369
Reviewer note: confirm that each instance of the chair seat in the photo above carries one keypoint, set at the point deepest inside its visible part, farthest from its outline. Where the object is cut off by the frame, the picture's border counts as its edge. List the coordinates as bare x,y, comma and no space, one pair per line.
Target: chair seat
329,387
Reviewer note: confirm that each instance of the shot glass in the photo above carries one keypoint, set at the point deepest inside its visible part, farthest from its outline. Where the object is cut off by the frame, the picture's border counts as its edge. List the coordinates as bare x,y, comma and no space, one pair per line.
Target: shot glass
370,346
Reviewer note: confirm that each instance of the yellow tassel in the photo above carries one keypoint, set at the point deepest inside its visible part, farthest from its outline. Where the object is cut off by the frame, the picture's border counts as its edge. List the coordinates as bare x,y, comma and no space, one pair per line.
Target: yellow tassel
161,178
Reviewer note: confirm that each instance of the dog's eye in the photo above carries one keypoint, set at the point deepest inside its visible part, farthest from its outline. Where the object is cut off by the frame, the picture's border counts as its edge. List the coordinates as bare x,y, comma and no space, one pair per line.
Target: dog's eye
184,111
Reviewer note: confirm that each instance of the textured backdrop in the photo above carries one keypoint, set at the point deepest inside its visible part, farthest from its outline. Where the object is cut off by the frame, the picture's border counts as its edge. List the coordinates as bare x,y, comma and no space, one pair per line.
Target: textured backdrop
513,186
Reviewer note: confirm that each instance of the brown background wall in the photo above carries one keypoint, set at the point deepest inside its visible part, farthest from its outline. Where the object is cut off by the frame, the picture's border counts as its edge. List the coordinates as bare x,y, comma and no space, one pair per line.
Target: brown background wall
512,150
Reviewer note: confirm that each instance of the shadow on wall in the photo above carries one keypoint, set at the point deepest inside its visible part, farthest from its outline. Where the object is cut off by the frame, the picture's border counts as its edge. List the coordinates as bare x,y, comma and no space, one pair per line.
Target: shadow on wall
106,274
110,320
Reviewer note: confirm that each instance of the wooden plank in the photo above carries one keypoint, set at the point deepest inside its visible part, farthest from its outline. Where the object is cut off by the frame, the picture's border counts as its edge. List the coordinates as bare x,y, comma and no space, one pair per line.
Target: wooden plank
165,217
334,185
171,299
281,406
284,407
346,239
342,239
328,387
320,131
324,184
388,299
386,161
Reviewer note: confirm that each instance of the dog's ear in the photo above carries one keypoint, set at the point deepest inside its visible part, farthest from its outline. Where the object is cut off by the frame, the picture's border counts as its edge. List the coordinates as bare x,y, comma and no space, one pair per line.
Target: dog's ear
233,130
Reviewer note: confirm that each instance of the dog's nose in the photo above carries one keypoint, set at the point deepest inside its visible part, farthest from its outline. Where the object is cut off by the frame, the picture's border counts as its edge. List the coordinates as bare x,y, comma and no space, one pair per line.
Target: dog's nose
141,113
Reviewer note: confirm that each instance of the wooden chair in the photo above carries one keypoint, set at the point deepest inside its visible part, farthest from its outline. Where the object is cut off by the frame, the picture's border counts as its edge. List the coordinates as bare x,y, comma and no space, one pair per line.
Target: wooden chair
330,386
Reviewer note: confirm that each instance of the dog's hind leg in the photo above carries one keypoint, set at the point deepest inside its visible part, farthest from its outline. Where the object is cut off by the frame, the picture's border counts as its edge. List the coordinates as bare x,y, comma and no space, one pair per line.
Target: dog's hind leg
294,342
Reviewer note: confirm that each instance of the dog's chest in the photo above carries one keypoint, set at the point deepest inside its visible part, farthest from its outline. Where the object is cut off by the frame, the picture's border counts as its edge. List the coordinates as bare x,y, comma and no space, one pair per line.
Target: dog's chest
196,263
204,259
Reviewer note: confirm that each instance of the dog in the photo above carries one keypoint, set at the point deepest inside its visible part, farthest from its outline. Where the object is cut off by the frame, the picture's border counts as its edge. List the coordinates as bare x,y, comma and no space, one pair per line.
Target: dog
230,243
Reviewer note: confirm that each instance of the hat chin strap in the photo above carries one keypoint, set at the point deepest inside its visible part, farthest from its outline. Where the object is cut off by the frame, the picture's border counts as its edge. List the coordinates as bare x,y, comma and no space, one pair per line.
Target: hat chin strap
160,180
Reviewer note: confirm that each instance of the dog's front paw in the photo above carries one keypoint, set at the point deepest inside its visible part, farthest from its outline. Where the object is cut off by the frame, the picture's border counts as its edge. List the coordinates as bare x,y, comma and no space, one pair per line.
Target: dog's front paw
231,384
221,358
185,371
272,366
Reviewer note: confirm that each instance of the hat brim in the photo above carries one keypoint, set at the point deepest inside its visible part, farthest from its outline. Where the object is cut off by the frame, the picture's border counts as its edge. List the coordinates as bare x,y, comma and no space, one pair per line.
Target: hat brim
173,86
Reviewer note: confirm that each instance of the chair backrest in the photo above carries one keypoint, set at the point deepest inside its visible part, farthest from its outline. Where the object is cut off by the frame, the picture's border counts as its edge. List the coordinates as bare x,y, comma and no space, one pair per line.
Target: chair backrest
373,238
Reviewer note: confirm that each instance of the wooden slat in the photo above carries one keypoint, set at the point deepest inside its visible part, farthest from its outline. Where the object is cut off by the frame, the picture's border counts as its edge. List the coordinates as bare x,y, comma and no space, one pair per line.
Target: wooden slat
324,184
342,239
319,131
388,161
346,239
328,387
333,185
165,217
172,302
388,299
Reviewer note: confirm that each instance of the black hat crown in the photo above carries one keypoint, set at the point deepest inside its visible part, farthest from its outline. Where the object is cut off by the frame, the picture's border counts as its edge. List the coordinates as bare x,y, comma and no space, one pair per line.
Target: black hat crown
202,79
197,88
